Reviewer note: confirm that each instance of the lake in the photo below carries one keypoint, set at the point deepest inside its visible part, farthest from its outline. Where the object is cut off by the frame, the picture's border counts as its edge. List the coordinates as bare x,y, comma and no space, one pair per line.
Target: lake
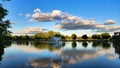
60,55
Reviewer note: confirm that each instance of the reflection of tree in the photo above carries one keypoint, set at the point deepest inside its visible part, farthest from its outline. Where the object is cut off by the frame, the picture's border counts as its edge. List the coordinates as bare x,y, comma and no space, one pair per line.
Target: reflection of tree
116,45
49,46
63,44
85,44
1,51
22,42
96,43
2,46
105,45
74,44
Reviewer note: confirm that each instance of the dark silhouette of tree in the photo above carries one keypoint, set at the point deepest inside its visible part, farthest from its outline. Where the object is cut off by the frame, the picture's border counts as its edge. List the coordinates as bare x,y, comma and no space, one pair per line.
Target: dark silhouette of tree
74,36
2,46
4,24
116,38
85,37
1,50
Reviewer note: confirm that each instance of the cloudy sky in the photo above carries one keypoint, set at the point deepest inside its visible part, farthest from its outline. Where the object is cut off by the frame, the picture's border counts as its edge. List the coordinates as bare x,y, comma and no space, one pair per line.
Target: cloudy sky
65,16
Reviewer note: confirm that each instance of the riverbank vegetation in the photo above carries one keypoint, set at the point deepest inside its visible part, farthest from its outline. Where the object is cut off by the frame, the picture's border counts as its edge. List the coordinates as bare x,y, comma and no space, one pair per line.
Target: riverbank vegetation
48,35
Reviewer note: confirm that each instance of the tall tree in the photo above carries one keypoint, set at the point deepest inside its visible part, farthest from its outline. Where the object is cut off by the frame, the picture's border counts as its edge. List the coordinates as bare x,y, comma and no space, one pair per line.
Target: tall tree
4,24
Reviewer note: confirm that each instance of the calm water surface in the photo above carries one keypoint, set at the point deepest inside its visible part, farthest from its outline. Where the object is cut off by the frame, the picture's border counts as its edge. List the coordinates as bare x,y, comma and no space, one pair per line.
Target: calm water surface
60,55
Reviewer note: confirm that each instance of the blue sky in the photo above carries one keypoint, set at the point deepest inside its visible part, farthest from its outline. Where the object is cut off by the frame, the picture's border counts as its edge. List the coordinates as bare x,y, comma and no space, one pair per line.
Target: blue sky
75,16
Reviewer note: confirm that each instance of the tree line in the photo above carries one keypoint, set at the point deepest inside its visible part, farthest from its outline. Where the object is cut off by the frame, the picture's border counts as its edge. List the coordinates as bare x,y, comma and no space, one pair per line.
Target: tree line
48,35
102,36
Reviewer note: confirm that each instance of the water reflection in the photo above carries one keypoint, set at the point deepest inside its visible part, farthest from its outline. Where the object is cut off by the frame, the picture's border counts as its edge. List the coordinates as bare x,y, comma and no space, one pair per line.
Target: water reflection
22,42
1,51
103,44
116,45
106,45
46,62
74,44
63,44
85,44
51,55
2,46
96,44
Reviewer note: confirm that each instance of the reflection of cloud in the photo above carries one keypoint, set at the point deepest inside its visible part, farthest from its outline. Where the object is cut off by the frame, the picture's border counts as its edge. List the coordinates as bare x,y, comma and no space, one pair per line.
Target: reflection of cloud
32,49
71,57
71,22
62,57
44,62
111,56
81,55
29,49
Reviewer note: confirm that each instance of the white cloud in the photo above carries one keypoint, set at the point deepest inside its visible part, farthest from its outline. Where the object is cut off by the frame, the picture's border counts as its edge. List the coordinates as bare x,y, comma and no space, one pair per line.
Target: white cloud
27,15
20,14
71,22
56,13
37,10
30,30
49,16
109,22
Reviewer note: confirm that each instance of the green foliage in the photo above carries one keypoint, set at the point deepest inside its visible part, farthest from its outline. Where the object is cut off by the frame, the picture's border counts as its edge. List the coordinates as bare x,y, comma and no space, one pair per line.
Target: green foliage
116,37
74,36
96,36
85,36
46,35
4,24
105,36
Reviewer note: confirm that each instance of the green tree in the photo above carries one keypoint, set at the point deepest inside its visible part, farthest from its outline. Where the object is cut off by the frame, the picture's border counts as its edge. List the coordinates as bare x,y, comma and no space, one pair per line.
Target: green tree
105,36
96,36
85,36
40,35
4,24
62,37
74,36
46,35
